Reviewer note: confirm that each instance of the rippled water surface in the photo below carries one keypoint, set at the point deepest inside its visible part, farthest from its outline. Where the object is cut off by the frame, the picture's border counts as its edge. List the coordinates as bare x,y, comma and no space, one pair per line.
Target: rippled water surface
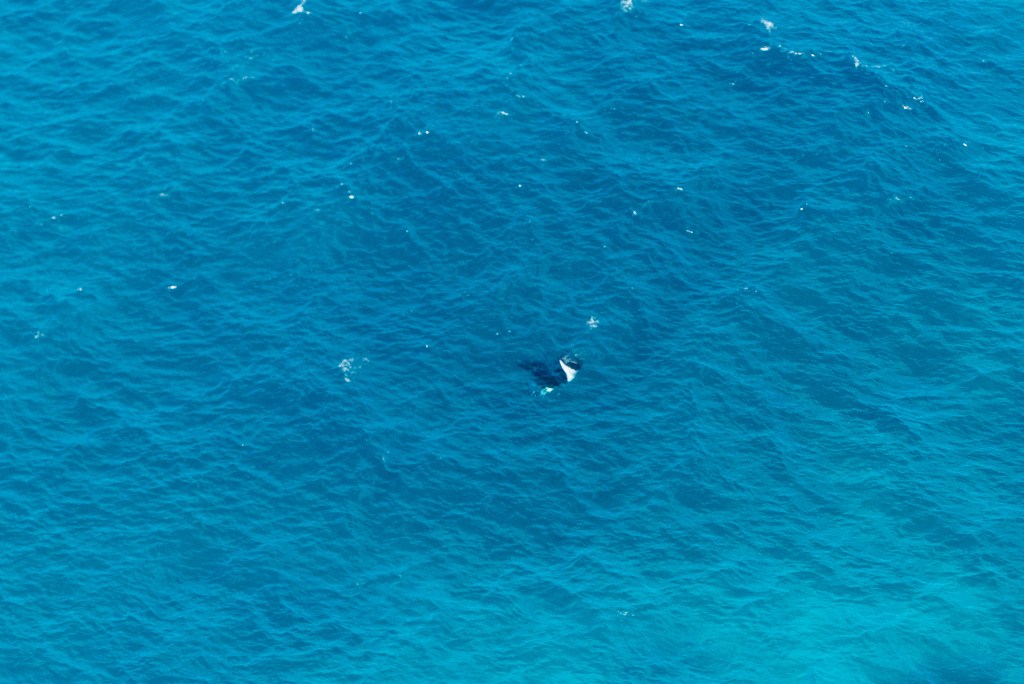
270,275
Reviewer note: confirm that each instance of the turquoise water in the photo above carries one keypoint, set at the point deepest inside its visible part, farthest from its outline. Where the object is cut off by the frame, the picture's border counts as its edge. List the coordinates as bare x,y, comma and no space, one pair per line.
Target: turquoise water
270,276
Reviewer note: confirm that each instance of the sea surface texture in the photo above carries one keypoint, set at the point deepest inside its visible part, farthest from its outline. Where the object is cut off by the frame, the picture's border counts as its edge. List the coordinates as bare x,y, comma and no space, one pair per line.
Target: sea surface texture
273,277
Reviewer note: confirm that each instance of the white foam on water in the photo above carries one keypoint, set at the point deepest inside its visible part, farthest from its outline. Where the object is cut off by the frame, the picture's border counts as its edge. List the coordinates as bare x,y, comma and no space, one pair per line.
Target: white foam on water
348,367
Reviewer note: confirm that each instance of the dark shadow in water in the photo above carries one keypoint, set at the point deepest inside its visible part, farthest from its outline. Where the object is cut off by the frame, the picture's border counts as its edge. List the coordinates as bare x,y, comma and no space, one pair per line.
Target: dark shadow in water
543,374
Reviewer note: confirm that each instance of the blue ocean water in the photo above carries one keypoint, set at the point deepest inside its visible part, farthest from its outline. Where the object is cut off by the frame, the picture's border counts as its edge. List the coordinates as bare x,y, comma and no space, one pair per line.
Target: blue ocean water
269,274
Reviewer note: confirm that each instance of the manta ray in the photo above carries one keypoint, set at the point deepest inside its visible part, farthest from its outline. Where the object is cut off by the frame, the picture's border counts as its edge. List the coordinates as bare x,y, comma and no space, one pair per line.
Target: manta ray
549,377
